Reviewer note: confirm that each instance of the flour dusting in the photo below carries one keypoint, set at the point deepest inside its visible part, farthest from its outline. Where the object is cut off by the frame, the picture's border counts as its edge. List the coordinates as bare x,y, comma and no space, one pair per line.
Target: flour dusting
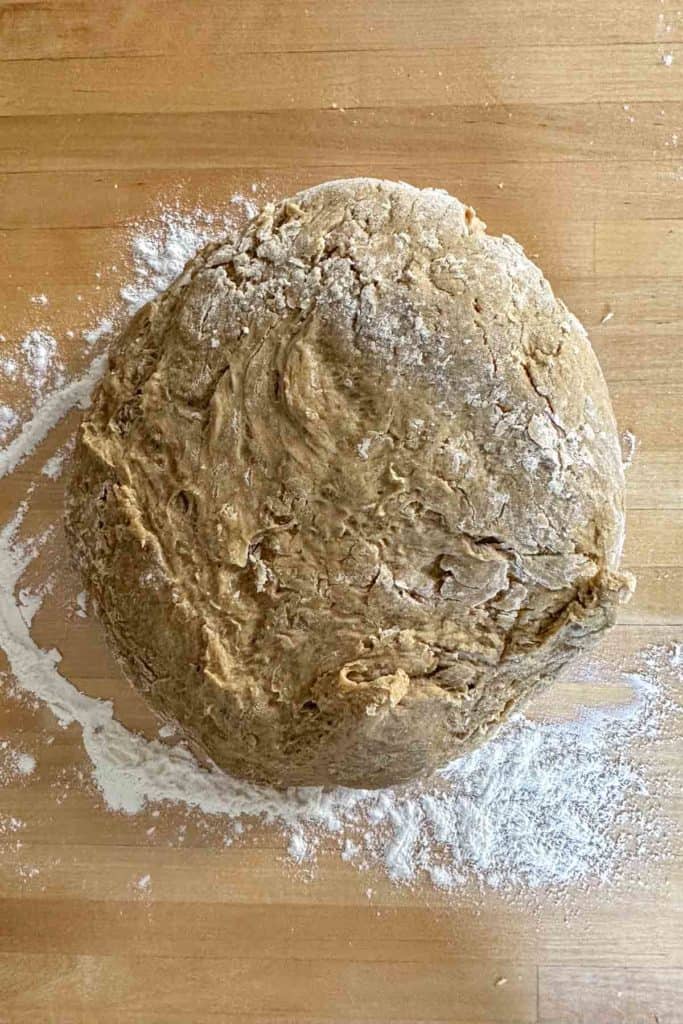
39,350
8,419
160,249
54,467
14,764
544,805
100,330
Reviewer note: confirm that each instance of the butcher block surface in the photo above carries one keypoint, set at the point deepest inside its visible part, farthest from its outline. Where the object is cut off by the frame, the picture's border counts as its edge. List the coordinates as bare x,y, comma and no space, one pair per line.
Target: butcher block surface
561,122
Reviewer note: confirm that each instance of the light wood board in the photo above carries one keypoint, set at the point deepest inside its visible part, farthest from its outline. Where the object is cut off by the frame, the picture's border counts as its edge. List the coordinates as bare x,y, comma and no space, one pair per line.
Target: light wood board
562,123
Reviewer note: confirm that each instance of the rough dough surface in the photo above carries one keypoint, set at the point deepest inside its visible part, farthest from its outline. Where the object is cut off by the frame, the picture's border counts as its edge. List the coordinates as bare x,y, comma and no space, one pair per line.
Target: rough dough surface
351,489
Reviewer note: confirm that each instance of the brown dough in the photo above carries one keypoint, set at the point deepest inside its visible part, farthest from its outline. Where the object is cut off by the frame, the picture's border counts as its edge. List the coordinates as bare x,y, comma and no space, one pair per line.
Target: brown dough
350,489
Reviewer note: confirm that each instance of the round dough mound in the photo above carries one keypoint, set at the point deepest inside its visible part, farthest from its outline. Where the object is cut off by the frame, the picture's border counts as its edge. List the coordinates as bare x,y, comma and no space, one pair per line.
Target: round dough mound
350,489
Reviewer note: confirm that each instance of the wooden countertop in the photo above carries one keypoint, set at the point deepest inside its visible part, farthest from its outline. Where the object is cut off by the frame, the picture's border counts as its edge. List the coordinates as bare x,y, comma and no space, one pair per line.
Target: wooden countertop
561,121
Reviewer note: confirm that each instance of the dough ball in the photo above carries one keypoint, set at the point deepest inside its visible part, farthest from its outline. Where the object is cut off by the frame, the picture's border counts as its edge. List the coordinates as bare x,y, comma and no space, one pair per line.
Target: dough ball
350,489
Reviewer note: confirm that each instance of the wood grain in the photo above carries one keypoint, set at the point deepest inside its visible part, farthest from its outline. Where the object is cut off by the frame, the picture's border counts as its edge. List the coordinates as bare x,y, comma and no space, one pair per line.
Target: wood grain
560,122
649,248
351,140
578,190
150,27
581,995
347,79
346,990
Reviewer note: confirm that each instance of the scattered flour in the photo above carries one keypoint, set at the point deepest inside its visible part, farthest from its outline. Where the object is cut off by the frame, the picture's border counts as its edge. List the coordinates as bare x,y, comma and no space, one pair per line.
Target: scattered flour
245,203
542,806
30,602
10,825
8,419
9,367
54,467
26,764
160,250
100,330
39,349
52,409
14,764
297,847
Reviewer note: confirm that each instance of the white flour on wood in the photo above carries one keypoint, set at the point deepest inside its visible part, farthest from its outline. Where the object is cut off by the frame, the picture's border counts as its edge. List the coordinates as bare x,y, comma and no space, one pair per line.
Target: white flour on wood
543,805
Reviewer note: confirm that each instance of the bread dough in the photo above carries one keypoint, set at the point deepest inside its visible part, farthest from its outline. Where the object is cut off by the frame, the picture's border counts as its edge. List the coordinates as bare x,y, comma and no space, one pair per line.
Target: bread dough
350,489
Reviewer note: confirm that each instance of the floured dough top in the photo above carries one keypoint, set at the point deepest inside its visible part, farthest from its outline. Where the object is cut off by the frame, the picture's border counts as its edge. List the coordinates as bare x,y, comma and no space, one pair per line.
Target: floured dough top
351,488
